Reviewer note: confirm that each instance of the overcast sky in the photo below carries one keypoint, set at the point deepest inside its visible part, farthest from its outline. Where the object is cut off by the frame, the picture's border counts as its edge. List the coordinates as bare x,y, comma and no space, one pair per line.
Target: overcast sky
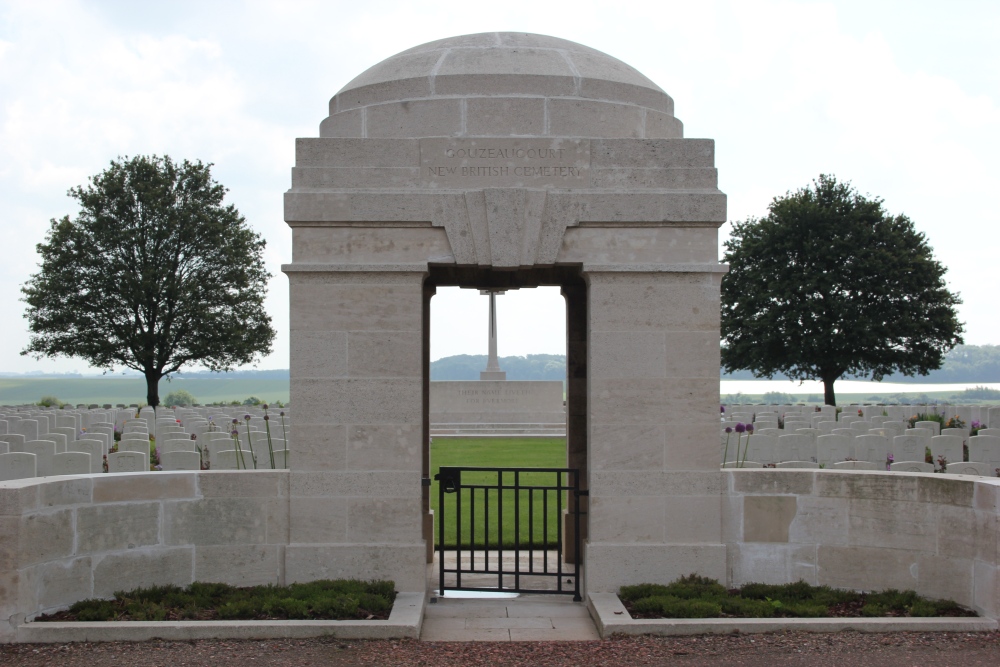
901,98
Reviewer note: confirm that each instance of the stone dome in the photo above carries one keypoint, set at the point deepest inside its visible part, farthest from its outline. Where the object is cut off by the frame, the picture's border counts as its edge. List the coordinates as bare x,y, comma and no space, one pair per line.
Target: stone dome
501,84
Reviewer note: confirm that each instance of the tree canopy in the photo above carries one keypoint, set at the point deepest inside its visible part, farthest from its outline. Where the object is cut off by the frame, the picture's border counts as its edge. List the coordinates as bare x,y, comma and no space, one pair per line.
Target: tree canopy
828,284
155,273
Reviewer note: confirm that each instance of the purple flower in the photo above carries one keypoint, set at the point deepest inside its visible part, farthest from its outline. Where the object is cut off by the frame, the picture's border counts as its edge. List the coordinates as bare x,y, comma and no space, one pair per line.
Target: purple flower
749,428
729,429
266,418
722,409
282,413
234,433
740,427
247,417
264,406
194,436
235,420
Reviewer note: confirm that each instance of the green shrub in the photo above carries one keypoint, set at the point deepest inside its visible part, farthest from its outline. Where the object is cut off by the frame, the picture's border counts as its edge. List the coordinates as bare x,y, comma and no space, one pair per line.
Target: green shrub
678,608
874,610
639,591
893,600
744,608
50,402
179,397
693,586
95,610
804,610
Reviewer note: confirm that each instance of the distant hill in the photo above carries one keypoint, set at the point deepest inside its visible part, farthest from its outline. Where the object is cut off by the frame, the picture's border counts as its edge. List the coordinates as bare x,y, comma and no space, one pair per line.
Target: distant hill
531,367
966,363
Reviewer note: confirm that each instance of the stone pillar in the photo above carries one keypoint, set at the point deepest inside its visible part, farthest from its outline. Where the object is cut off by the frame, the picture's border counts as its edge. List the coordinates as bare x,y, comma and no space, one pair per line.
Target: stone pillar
357,457
576,407
655,485
492,372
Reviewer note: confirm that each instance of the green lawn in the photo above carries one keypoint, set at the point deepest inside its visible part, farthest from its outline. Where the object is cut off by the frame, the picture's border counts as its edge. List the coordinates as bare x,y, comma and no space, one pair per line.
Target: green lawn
499,453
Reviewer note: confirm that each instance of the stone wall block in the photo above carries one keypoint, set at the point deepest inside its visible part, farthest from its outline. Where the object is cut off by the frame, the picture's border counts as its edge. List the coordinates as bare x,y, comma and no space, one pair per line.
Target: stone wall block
403,563
361,484
414,118
772,482
772,563
892,524
353,153
768,518
144,486
820,521
659,125
376,306
856,568
358,400
61,583
142,568
215,521
637,520
383,354
653,153
653,302
317,520
653,245
946,578
46,536
505,116
629,354
238,565
615,483
591,118
318,354
66,491
244,483
349,123
874,486
384,447
627,446
384,520
318,447
693,519
117,527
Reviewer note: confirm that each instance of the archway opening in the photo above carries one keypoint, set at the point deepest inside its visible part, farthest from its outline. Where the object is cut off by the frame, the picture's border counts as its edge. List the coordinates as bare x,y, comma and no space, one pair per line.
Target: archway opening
522,424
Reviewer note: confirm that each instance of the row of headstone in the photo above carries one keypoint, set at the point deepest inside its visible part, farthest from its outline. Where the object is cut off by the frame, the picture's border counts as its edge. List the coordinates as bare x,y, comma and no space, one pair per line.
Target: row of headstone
34,441
809,446
985,414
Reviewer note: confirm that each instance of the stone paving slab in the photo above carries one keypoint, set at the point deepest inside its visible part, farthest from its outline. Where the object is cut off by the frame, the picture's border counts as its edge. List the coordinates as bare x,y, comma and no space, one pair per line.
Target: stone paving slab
525,618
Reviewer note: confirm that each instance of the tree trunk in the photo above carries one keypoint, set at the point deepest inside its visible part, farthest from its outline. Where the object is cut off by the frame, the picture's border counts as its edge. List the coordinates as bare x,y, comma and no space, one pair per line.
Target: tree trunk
152,389
829,398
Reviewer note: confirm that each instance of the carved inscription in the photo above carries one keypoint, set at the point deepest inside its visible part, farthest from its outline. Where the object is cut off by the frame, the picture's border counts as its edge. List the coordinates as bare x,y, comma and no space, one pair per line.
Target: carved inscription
505,162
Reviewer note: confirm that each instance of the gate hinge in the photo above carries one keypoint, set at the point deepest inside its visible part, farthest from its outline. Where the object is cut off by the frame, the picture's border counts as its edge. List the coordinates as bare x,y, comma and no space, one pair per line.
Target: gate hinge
583,492
425,481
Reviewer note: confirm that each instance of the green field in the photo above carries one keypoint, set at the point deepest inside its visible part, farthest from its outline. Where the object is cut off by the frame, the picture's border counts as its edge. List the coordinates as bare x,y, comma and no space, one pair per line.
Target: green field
498,453
128,390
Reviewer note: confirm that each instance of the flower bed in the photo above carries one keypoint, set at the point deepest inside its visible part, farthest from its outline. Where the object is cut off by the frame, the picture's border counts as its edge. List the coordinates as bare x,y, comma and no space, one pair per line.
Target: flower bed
343,599
701,597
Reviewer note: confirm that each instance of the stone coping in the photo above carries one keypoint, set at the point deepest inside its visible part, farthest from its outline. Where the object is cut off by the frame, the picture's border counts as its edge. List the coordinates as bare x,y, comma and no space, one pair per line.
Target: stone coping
404,622
611,618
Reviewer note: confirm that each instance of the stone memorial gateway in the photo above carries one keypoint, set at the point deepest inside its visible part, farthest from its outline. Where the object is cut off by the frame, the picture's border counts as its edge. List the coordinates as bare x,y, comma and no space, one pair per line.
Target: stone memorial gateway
499,161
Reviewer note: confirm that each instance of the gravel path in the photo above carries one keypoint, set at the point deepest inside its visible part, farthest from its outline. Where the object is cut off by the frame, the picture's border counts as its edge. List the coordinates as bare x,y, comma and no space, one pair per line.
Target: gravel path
845,649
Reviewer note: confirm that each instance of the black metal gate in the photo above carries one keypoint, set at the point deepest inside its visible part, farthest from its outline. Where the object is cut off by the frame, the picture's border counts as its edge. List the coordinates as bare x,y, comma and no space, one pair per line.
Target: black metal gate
504,528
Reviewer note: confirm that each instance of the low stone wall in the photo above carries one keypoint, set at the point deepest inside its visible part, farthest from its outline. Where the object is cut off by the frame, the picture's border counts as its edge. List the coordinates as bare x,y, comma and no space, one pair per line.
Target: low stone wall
63,539
936,534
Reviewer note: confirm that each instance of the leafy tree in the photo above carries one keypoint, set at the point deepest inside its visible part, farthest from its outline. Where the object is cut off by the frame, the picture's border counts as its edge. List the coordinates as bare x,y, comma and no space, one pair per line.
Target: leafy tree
153,274
828,284
180,397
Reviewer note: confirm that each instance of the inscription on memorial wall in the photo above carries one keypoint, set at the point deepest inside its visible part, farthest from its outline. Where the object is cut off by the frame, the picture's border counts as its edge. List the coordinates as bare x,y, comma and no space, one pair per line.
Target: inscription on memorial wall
505,162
